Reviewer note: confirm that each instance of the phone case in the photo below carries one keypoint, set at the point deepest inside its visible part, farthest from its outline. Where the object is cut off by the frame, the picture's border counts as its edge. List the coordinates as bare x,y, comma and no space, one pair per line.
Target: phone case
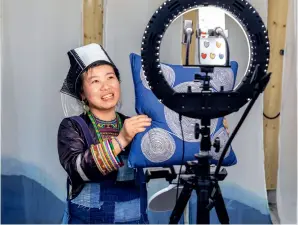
212,51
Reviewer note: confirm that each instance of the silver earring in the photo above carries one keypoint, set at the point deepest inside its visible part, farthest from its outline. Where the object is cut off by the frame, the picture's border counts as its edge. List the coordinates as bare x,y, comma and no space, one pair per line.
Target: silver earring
119,105
85,107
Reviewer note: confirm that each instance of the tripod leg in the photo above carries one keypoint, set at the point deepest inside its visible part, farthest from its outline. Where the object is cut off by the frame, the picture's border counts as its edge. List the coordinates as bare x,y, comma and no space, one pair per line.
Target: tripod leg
181,203
220,207
203,213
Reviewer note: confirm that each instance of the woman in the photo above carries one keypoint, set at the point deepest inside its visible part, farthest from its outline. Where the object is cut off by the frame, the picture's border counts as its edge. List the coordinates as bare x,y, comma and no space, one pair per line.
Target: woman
101,187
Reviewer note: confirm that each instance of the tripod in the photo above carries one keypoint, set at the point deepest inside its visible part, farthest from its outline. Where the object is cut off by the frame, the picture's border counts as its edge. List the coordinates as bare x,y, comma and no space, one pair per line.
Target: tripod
203,181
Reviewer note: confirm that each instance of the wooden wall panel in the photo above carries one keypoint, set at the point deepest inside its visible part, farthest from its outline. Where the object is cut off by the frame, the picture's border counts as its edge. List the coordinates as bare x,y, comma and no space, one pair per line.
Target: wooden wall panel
277,18
192,15
93,21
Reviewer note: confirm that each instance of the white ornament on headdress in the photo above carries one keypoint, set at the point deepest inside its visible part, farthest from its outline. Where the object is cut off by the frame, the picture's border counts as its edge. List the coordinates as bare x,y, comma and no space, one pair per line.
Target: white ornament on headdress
71,106
91,53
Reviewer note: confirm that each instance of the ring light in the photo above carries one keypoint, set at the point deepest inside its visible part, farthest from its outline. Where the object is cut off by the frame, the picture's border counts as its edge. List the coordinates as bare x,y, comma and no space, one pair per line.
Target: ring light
215,104
206,105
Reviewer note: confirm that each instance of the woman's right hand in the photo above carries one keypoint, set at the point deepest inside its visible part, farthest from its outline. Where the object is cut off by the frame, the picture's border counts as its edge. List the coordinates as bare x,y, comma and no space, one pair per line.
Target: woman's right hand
131,127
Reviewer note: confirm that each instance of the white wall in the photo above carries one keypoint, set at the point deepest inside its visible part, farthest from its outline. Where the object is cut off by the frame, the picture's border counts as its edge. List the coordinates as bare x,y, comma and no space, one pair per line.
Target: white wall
36,36
287,172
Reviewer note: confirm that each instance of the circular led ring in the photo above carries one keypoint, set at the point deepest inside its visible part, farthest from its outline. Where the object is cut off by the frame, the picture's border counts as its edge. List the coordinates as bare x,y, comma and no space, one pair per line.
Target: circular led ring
192,104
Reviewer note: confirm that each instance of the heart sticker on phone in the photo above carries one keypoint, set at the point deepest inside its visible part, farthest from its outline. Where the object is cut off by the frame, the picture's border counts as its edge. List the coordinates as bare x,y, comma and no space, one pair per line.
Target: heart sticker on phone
206,44
218,44
204,55
221,56
212,56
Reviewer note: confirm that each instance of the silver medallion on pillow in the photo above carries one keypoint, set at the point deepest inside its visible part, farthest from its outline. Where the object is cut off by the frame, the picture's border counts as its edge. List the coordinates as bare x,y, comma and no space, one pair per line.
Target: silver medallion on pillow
222,77
188,124
158,145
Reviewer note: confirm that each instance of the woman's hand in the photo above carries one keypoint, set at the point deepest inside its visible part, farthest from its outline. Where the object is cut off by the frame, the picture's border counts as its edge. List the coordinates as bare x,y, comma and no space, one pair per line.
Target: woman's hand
131,127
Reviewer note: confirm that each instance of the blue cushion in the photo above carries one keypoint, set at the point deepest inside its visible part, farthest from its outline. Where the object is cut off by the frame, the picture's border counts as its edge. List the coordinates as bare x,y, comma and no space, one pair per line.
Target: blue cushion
161,144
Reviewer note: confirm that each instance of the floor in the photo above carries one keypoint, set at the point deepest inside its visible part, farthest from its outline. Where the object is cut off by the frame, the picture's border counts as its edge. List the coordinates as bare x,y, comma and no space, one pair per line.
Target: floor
272,206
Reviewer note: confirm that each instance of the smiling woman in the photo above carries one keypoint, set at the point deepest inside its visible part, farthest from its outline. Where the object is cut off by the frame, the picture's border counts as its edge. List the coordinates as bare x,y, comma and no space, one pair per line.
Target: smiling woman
100,88
94,146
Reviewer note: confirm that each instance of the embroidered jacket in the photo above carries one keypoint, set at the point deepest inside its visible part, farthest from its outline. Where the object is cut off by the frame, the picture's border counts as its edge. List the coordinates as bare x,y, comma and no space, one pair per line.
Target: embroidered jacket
84,164
103,188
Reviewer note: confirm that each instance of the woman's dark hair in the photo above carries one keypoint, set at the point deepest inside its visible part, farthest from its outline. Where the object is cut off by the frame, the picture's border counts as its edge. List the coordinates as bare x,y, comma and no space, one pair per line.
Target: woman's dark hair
79,83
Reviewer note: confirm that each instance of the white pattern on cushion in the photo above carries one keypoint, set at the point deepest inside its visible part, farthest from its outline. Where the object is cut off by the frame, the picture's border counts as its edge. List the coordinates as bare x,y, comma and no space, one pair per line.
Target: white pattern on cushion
188,124
158,145
222,77
168,73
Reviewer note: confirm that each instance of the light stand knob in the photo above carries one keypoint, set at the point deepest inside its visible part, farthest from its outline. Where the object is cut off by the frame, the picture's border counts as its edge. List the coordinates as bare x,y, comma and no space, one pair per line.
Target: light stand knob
197,131
216,144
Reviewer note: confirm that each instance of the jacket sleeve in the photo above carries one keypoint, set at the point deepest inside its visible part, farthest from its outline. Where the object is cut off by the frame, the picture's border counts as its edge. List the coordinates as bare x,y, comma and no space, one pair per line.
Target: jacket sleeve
83,163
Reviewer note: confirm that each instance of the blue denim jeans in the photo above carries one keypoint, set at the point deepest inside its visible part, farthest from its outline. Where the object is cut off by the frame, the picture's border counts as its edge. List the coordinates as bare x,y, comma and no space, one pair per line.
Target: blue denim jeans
108,203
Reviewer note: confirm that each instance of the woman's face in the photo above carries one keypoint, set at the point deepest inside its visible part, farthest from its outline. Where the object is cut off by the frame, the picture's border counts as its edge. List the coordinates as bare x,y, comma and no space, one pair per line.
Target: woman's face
101,87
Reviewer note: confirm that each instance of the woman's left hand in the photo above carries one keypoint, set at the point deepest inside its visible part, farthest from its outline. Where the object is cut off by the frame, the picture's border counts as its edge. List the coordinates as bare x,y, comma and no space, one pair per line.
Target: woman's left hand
133,126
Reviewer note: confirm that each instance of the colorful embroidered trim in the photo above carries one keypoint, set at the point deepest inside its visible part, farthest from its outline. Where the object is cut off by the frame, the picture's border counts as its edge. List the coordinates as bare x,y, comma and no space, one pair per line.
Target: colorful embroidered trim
104,157
103,153
119,161
98,159
93,121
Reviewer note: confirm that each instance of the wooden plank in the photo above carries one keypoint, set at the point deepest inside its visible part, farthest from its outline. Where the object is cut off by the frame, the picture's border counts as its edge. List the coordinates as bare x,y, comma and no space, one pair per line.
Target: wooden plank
192,15
277,18
93,21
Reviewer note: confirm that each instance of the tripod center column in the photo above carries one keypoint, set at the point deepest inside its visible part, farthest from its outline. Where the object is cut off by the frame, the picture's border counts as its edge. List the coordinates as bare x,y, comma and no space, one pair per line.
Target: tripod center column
206,140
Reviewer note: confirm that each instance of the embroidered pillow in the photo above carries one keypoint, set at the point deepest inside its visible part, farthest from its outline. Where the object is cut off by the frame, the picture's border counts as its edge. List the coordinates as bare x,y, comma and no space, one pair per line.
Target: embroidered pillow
162,143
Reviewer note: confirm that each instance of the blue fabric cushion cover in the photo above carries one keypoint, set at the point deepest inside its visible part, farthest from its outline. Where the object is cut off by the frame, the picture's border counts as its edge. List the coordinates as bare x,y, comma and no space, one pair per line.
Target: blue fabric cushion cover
161,144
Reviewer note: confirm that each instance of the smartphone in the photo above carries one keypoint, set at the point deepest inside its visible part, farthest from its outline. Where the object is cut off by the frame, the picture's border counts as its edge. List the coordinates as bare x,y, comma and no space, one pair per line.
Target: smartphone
212,50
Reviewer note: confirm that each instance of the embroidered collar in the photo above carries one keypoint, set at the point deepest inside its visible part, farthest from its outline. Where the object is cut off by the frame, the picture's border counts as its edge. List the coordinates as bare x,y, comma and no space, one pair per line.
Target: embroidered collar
107,124
97,126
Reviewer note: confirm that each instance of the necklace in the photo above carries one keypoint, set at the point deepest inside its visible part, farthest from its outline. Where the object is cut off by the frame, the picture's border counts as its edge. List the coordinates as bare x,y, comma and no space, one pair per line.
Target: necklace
93,121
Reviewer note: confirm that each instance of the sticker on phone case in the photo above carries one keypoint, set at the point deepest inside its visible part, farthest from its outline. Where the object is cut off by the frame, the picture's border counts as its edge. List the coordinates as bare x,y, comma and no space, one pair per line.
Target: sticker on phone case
212,55
204,55
221,56
206,44
218,44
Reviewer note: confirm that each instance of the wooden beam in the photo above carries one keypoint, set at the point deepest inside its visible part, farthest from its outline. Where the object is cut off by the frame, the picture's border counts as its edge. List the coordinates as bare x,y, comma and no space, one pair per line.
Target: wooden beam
277,19
93,21
192,15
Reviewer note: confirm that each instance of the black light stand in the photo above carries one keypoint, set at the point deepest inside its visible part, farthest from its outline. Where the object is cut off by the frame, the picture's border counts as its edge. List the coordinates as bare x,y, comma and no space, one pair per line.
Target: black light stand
203,181
205,106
